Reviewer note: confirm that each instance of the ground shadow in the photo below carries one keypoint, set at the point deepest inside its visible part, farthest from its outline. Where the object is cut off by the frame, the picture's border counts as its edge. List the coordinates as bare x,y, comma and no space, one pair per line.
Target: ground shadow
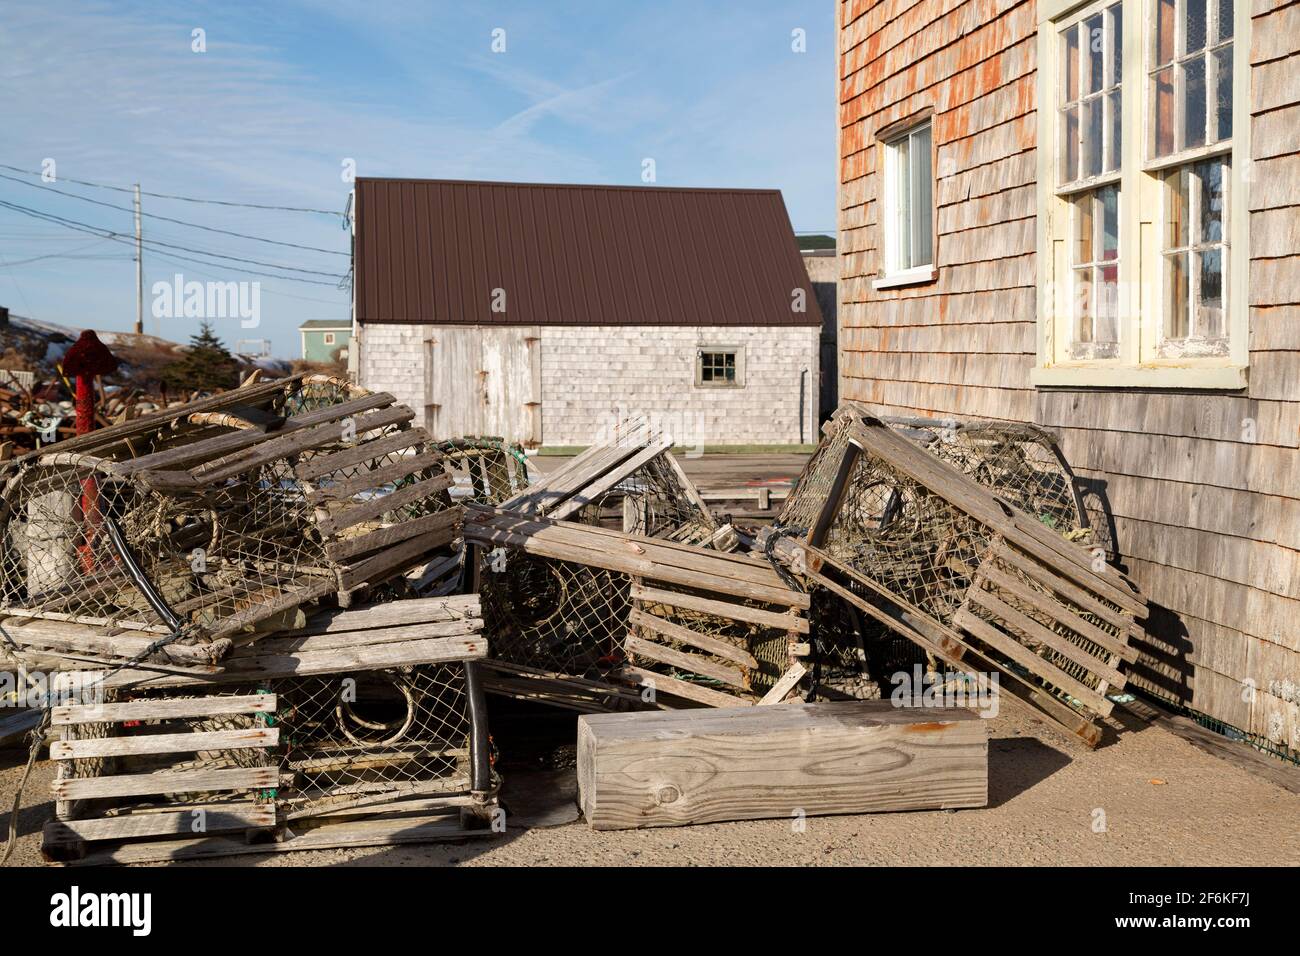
1017,764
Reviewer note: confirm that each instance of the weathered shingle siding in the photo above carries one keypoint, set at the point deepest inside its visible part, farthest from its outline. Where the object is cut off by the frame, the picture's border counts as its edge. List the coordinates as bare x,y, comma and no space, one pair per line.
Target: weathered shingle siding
1207,522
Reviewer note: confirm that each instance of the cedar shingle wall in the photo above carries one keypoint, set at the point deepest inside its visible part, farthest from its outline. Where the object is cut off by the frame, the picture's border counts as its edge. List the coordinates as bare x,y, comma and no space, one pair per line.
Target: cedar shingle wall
1206,521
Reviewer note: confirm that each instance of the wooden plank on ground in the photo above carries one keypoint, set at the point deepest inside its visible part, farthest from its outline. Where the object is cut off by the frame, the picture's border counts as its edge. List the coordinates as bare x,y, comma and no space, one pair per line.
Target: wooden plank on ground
672,768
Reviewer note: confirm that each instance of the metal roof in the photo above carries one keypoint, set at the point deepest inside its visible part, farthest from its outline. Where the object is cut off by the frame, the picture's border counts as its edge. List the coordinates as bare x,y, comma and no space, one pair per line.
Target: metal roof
433,251
328,324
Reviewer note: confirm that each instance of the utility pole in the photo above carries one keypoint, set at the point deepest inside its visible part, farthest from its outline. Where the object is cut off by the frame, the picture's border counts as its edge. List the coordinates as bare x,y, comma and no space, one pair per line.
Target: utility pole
139,268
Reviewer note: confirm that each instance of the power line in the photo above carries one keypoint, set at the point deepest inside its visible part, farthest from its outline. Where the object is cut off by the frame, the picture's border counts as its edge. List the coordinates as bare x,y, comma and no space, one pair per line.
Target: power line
193,199
113,234
182,222
122,238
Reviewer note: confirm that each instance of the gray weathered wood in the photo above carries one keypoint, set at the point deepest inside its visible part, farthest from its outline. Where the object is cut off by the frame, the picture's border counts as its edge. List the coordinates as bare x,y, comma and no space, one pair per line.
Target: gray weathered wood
671,768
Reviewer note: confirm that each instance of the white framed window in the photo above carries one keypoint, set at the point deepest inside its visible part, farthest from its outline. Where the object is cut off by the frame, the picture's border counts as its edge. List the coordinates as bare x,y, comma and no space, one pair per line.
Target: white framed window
329,338
1142,229
719,366
908,193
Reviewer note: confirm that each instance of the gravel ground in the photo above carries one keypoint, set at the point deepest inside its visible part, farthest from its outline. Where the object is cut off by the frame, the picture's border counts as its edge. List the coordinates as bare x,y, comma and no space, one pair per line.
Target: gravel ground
1165,801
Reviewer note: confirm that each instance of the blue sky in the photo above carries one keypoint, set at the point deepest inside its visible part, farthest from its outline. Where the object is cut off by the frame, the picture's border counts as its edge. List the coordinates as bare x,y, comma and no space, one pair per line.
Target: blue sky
286,92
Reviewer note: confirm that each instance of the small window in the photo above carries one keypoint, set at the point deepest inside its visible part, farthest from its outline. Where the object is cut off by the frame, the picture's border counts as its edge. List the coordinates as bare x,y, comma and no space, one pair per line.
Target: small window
1190,76
719,368
329,338
1195,254
909,204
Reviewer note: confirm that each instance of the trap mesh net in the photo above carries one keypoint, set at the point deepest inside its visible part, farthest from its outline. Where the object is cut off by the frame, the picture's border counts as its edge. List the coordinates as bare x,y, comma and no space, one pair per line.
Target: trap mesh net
374,735
651,501
1019,463
557,616
486,470
906,539
81,544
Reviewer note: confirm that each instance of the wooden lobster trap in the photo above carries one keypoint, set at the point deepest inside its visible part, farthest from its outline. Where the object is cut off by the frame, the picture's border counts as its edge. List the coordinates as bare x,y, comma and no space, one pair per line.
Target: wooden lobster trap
595,619
364,726
177,535
927,551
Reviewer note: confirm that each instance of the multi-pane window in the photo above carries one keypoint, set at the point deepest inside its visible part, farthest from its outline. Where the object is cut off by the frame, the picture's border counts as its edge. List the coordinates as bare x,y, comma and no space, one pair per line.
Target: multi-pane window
1195,259
1190,77
1095,268
1143,239
719,368
1091,98
909,201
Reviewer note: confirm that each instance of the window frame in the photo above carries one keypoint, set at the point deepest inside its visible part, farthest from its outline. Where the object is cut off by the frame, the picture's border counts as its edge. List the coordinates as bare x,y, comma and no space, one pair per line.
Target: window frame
328,338
737,351
1140,303
893,275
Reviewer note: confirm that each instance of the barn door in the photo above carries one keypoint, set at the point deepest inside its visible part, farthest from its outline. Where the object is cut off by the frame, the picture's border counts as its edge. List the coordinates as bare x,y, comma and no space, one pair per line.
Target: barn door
484,381
511,370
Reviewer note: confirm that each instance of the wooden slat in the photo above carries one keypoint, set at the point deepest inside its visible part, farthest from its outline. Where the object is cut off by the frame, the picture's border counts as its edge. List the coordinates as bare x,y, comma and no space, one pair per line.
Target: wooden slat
402,497
133,826
682,688
1072,592
165,743
1012,617
230,442
150,709
784,685
689,663
147,784
440,525
395,558
374,478
585,495
324,464
1044,603
1027,659
734,612
684,635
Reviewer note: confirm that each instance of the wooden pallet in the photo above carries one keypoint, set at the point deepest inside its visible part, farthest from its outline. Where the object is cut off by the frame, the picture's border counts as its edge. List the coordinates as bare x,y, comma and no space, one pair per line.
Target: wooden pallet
129,816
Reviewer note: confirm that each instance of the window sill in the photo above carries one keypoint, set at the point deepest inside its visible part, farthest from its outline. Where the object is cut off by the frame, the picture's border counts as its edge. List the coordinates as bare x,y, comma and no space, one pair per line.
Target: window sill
1220,378
916,276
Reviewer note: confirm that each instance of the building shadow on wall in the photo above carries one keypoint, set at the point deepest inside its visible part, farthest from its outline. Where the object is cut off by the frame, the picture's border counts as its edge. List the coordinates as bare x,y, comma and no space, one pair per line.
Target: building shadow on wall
1162,668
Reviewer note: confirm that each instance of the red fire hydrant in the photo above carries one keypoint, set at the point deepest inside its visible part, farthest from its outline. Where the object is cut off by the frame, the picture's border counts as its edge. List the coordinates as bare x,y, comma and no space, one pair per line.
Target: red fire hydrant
88,358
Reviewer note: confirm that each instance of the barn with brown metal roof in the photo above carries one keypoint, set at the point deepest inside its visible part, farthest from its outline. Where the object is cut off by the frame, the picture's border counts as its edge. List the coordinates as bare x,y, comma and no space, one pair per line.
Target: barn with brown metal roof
544,313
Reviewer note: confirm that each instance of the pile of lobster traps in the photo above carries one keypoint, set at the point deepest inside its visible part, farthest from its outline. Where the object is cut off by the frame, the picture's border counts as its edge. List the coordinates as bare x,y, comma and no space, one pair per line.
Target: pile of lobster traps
285,607
274,542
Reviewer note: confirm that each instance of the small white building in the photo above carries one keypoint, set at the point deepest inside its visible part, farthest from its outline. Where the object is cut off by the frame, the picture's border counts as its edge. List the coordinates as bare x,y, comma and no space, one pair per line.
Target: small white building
546,313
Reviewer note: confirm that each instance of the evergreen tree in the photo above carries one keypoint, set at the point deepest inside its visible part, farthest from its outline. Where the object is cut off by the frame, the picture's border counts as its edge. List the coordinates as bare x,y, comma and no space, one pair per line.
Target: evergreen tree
207,366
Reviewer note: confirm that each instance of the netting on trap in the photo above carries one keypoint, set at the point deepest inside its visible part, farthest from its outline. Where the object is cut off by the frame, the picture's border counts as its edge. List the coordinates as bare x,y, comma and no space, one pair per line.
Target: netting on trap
813,485
83,544
557,616
905,538
1021,464
486,470
371,736
240,540
653,502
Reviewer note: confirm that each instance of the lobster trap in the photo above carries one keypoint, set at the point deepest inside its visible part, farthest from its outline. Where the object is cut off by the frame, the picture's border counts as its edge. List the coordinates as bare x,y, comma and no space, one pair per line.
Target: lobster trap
931,554
581,616
193,527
